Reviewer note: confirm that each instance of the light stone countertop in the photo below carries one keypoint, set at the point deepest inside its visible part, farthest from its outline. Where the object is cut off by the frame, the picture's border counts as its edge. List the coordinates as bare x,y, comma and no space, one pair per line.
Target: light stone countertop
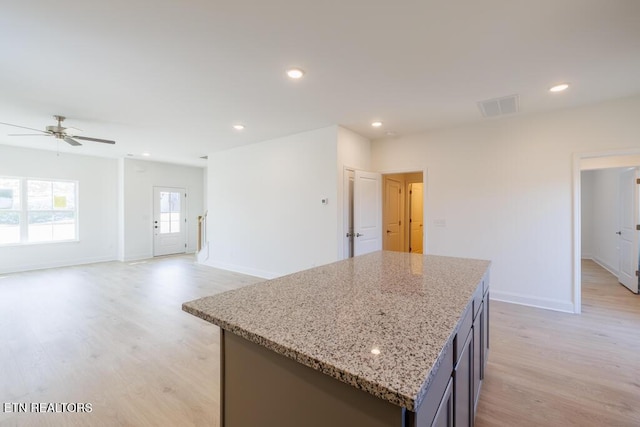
330,318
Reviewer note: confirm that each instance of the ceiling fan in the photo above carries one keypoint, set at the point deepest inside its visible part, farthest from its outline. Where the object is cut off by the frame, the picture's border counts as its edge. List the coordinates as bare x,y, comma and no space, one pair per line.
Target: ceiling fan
64,133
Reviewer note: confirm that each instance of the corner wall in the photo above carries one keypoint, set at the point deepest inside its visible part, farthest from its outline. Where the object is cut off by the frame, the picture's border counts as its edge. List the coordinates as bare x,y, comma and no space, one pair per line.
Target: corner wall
265,212
502,190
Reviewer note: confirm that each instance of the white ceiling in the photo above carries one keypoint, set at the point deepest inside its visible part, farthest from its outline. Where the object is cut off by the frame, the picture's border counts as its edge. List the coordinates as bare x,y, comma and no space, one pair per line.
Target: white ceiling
172,77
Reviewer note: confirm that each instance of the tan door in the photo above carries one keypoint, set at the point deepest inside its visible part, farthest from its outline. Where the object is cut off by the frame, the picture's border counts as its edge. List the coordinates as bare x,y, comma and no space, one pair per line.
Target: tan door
393,202
415,218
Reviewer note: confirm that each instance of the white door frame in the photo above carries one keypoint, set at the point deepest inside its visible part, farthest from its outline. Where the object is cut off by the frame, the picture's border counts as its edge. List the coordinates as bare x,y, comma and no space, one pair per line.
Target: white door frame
578,160
183,220
425,187
345,239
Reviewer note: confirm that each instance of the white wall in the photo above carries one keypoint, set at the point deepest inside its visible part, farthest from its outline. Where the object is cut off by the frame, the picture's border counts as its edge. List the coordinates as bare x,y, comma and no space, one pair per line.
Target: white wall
504,190
354,152
97,204
587,182
139,179
265,211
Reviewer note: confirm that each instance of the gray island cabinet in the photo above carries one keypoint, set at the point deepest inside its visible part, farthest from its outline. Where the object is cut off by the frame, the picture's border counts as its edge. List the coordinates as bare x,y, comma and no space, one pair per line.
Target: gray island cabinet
383,339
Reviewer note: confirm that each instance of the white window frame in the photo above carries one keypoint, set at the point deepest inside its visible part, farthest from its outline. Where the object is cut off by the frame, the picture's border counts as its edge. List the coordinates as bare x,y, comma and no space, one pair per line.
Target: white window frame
24,211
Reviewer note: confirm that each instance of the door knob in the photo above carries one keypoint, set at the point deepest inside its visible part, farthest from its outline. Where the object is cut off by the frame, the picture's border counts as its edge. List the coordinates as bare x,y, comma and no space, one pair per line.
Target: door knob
619,233
388,231
358,234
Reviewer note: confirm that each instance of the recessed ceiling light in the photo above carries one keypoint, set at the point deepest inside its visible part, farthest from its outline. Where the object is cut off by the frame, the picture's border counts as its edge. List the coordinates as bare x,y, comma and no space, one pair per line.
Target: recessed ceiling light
146,154
295,73
376,124
375,351
559,88
238,127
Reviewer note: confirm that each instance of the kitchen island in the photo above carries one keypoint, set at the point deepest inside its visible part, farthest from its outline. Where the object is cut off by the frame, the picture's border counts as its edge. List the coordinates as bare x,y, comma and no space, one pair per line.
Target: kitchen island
383,339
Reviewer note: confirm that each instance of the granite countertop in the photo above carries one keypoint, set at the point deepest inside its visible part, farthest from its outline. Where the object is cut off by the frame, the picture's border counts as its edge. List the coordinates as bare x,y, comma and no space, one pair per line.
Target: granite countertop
333,318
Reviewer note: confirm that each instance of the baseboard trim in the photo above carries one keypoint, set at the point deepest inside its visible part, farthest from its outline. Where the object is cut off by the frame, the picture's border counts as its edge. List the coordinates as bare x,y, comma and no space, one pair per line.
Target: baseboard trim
263,274
57,264
606,266
137,257
546,303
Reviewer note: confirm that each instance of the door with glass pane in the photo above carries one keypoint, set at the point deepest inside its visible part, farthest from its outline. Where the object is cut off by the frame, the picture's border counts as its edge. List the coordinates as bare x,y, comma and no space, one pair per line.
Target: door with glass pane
169,221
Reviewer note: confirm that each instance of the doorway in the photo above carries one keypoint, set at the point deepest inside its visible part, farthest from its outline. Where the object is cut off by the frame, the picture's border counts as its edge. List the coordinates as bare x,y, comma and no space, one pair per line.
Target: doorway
169,221
595,162
403,212
609,218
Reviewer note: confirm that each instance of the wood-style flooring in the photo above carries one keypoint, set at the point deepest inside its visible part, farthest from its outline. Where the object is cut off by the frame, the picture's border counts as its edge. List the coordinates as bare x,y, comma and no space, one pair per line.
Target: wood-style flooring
113,334
548,368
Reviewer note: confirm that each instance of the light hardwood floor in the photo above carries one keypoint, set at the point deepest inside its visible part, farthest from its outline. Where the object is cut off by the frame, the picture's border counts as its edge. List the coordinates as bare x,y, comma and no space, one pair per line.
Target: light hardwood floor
554,369
113,334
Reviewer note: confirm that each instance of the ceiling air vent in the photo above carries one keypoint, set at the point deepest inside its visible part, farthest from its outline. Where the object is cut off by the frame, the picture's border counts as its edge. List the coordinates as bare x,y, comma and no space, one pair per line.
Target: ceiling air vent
499,106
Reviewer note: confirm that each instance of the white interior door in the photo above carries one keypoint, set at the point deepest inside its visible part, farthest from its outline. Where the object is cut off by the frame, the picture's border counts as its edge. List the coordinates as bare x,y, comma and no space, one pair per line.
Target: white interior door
393,202
367,212
169,221
628,233
415,218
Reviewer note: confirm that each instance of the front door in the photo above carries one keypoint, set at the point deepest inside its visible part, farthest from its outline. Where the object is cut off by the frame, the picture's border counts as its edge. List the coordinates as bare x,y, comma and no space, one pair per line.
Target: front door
169,221
367,212
628,233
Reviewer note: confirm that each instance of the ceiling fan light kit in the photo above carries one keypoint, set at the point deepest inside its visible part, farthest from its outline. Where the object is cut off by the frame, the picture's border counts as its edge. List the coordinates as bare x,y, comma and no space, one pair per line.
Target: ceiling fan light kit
67,134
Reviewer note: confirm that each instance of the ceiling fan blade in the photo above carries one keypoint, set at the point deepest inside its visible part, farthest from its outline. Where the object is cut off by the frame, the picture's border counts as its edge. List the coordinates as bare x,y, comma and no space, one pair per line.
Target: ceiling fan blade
28,134
70,141
24,127
86,138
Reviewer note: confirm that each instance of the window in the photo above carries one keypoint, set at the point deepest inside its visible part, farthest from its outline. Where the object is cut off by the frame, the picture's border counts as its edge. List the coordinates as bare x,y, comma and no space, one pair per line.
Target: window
10,207
169,212
36,210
